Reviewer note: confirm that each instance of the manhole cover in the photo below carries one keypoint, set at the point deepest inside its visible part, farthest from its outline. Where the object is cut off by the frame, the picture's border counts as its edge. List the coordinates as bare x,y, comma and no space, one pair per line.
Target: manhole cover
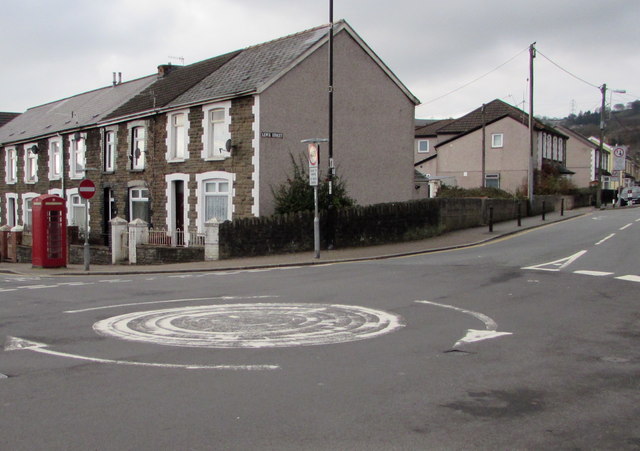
251,325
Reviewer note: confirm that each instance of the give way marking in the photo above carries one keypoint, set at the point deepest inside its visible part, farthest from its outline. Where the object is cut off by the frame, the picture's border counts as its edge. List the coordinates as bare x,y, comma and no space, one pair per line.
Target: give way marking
473,335
557,265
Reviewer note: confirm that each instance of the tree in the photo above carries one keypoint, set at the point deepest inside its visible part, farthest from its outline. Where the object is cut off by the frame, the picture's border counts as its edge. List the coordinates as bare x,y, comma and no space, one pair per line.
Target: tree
296,194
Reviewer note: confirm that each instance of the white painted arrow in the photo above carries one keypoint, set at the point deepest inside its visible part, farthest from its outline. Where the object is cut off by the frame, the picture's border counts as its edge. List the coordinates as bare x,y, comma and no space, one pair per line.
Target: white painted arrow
473,334
15,344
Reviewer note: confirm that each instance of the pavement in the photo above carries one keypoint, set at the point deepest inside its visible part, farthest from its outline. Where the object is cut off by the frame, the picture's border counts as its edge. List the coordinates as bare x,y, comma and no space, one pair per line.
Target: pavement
452,240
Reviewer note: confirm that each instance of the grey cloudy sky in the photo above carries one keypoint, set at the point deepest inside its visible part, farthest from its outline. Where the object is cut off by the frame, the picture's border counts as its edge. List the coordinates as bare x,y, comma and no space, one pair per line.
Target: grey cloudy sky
52,49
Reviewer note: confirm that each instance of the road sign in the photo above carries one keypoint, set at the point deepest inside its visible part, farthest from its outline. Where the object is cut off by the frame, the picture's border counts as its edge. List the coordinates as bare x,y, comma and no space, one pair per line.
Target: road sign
619,157
313,154
87,189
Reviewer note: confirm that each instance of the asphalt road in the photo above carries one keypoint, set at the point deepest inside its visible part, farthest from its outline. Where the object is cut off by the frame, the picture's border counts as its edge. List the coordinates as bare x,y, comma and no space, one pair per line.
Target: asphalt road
529,342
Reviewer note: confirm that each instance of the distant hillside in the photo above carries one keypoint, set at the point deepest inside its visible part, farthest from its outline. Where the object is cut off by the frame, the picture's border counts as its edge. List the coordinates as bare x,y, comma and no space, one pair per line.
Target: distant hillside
622,125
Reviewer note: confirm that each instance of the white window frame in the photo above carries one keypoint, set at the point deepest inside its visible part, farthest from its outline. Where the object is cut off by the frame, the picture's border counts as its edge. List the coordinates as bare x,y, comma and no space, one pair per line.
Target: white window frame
141,199
55,158
77,155
492,177
109,149
30,164
27,213
201,180
75,201
497,140
140,163
170,206
423,141
11,215
176,135
208,153
11,165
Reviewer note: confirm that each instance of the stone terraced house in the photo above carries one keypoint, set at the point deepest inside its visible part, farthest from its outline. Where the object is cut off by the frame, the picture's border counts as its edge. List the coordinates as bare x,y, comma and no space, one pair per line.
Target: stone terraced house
212,138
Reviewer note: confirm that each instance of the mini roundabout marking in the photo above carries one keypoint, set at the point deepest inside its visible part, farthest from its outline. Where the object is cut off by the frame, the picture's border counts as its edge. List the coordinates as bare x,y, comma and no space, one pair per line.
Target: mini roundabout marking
272,325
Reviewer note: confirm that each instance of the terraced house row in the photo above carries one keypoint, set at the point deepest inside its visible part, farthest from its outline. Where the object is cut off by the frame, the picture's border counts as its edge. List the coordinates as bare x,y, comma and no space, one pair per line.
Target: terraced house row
211,139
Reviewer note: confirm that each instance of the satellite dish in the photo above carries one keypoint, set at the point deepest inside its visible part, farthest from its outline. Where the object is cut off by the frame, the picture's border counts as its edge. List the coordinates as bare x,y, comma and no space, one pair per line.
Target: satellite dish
228,145
34,149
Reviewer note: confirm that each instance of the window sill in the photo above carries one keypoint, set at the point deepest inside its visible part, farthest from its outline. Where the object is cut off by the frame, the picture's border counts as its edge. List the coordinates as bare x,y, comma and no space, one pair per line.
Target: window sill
177,160
218,157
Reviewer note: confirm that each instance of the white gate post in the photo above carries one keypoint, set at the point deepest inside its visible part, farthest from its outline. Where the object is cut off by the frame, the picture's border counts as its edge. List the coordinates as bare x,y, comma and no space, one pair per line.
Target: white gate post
212,240
118,227
138,233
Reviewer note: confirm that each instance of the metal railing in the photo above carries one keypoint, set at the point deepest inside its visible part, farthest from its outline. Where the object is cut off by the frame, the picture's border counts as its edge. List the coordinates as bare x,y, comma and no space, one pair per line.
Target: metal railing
175,238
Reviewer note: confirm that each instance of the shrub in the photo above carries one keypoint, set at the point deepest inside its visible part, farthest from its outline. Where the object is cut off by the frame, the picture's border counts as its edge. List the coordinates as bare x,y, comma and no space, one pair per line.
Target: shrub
457,192
296,194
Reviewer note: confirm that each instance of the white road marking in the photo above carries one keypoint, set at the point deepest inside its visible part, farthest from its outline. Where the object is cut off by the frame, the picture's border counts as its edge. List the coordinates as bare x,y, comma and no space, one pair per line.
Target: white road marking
473,334
605,239
114,280
630,278
7,289
169,301
14,343
251,325
593,273
557,265
625,227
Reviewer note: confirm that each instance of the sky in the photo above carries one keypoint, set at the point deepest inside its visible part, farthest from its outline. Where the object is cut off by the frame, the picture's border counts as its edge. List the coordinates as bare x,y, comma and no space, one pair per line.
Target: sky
453,55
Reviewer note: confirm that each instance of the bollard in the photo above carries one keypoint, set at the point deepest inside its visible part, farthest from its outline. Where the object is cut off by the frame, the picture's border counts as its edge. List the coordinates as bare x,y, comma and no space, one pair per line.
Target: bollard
544,208
519,216
562,207
490,219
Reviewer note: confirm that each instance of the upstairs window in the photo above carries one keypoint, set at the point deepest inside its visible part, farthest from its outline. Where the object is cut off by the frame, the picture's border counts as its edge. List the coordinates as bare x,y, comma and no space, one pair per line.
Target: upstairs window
77,155
55,158
423,146
109,151
11,165
216,123
137,150
30,163
177,137
497,140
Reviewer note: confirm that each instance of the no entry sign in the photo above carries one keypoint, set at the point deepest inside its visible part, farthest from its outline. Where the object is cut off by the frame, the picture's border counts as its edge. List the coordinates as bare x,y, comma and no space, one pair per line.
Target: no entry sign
87,189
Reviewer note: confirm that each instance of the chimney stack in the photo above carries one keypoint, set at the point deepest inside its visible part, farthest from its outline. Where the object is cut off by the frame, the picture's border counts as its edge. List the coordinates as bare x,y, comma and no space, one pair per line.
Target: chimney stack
114,79
165,69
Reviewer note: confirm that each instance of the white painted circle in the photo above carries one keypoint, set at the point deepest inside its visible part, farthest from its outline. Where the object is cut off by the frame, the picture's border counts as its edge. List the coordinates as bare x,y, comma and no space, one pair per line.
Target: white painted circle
251,325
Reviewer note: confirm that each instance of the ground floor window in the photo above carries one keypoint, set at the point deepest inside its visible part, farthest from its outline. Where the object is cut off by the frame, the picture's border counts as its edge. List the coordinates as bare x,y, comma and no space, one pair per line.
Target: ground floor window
12,209
78,214
215,196
492,180
139,204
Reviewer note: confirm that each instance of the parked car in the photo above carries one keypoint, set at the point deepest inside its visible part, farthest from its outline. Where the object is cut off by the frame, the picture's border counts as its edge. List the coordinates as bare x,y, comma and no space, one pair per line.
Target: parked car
631,194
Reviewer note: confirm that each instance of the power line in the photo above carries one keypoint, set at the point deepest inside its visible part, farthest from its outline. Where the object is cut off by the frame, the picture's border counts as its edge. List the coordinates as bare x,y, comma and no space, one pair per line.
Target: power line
479,78
566,71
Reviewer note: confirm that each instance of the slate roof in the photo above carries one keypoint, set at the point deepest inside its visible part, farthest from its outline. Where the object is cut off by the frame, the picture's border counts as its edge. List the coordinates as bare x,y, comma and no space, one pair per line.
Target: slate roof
7,117
246,71
254,67
166,89
432,127
71,113
493,111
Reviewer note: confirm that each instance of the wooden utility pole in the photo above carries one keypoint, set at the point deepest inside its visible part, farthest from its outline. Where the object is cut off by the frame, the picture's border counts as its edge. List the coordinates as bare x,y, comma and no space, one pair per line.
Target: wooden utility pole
603,90
532,144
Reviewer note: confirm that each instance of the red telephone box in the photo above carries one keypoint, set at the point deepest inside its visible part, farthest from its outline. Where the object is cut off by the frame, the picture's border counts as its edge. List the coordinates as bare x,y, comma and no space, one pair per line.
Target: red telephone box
49,231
